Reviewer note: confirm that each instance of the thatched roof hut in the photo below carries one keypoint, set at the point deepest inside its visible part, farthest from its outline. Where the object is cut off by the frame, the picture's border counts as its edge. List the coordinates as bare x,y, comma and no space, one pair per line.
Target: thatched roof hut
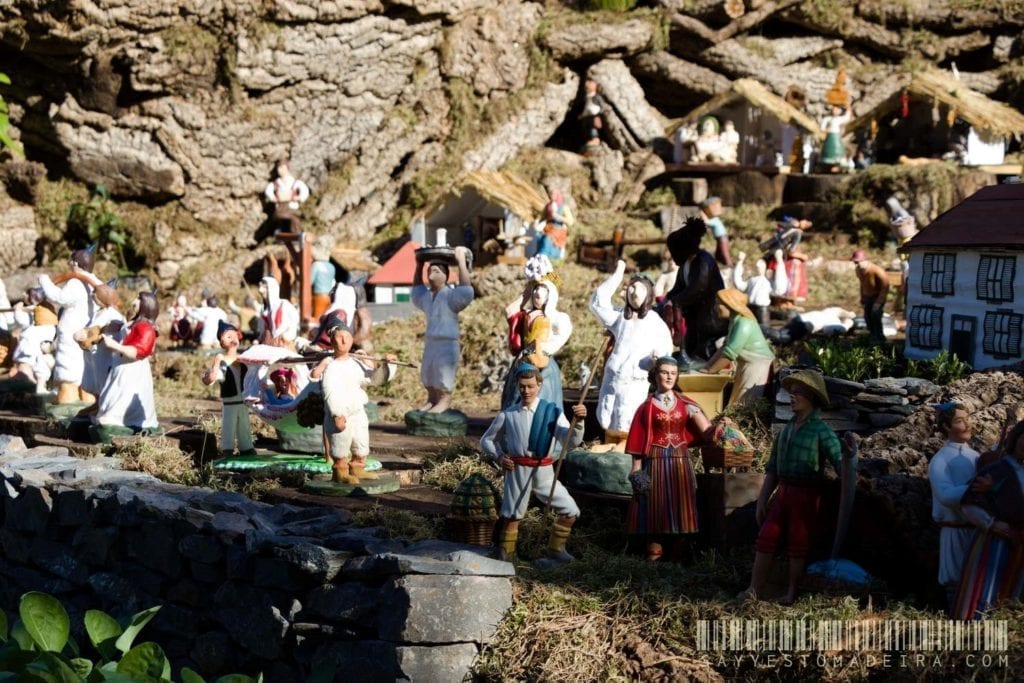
984,114
482,205
749,90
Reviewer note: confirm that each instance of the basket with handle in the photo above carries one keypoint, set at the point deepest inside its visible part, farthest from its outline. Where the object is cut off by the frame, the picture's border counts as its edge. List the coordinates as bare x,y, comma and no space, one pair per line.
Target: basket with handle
474,510
727,447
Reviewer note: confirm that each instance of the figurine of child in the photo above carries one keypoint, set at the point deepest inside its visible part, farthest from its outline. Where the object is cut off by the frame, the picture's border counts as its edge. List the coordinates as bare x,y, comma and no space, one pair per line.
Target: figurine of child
230,373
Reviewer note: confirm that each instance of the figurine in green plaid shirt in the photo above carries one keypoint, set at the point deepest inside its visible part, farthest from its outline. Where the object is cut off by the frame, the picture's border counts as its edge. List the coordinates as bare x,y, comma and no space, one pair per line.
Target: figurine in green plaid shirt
796,468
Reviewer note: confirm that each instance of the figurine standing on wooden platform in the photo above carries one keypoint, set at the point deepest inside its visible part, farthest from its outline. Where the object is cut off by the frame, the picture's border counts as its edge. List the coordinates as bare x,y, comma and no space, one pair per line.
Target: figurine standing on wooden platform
537,330
664,502
126,399
558,219
693,294
230,373
639,335
521,440
107,319
441,303
346,425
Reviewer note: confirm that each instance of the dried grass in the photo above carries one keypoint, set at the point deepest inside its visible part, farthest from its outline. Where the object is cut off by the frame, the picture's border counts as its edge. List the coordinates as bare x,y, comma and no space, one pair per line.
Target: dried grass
402,524
160,457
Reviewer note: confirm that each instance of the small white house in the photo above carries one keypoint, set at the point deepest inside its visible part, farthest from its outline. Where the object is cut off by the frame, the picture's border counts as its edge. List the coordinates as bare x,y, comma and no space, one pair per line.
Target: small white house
965,286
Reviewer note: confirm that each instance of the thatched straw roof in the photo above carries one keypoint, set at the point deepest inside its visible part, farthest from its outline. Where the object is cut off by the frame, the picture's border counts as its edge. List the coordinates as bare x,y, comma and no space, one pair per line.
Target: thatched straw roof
758,95
502,188
982,113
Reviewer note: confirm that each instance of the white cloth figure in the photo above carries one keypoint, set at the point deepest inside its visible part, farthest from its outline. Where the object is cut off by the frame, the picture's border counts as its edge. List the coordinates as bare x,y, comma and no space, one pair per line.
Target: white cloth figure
831,320
99,359
7,321
441,349
76,309
209,317
29,350
278,317
343,381
780,278
949,472
625,382
758,288
286,190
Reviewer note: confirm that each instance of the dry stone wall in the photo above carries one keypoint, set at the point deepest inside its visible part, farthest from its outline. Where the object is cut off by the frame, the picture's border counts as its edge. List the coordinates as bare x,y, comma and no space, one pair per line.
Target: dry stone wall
244,586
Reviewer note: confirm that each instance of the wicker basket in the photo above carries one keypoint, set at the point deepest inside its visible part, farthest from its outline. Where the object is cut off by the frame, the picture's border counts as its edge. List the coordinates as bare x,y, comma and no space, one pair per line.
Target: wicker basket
472,531
474,511
722,458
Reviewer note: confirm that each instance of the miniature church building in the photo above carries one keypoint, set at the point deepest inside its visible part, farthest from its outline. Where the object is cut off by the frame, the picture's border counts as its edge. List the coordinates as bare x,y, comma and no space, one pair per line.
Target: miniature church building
965,287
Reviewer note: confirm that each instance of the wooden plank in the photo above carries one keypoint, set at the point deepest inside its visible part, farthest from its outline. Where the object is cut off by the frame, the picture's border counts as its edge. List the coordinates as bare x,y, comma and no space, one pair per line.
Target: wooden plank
417,498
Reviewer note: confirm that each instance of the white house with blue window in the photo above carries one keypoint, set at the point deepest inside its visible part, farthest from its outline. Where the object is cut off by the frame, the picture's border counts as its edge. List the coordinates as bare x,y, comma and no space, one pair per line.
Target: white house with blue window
965,285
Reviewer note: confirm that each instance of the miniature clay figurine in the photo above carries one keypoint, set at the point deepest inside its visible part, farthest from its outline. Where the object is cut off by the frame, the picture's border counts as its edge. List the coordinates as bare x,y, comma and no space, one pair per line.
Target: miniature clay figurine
208,318
522,440
745,346
33,358
286,193
322,276
230,373
992,571
591,118
795,468
107,319
711,212
729,143
950,472
664,503
348,305
694,292
707,146
558,219
181,326
874,288
639,335
346,425
758,288
74,298
537,330
441,303
279,319
126,399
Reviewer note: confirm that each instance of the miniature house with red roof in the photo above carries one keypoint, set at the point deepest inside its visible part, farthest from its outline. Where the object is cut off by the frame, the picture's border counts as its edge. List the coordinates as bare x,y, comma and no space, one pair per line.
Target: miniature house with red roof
965,287
392,283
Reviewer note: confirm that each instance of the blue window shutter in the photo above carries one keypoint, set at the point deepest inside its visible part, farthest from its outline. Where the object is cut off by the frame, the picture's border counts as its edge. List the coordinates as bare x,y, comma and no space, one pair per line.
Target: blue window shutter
982,288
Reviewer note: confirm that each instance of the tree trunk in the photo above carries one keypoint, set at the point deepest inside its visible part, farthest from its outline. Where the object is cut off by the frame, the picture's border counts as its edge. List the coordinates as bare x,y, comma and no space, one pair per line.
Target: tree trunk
681,74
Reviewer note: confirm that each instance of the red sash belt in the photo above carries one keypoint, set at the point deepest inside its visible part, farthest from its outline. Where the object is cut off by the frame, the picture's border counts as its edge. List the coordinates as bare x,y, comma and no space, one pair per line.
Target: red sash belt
529,461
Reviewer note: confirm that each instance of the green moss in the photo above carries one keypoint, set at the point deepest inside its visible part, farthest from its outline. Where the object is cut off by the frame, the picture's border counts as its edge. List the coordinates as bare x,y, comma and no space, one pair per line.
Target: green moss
189,42
831,14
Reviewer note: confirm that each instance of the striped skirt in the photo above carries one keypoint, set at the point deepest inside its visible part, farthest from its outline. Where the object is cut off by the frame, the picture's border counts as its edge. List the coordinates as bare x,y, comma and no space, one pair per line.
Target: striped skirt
993,572
670,507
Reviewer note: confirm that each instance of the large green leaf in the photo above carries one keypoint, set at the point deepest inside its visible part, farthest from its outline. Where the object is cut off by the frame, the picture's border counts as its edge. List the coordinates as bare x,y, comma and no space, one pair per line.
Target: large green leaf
5,79
103,632
190,676
82,666
145,659
20,635
45,620
131,631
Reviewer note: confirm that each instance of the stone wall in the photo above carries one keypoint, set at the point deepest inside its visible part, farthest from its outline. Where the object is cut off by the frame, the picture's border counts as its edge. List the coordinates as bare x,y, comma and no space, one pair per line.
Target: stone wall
244,586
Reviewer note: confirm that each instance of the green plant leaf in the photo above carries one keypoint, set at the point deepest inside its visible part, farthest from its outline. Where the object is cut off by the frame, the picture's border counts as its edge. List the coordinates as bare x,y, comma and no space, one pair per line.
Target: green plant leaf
145,659
103,632
4,635
117,238
45,620
190,676
52,668
15,659
82,666
131,631
235,678
5,79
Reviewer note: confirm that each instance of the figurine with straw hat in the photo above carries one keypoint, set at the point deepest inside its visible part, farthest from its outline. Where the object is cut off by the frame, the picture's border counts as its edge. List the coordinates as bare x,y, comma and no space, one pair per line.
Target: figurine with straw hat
794,474
745,346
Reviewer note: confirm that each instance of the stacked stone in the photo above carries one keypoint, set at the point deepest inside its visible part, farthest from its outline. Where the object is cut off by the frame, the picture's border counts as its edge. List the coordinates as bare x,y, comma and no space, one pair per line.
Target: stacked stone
867,406
244,586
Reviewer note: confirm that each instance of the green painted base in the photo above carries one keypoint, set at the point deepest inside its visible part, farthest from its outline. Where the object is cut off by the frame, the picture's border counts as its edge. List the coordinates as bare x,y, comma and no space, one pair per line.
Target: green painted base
107,433
598,472
388,483
63,412
290,462
305,441
448,423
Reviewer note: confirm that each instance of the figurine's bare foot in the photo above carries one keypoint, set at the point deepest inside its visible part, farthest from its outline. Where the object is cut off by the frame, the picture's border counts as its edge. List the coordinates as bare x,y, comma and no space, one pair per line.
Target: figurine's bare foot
602,448
425,406
442,404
